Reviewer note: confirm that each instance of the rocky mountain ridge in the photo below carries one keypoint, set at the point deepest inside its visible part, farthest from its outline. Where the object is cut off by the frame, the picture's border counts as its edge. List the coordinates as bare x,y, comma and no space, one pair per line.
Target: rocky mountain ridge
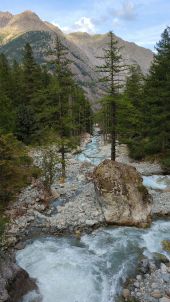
5,17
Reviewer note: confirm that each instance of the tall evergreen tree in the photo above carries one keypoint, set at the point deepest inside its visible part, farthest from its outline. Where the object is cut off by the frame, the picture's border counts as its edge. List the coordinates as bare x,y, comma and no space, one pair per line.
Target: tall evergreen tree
26,123
63,82
134,85
111,69
157,93
5,76
31,73
130,106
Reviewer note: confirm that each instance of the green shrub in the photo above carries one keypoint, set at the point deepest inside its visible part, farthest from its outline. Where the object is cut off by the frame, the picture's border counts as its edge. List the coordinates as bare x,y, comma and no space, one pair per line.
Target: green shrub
16,168
165,162
3,222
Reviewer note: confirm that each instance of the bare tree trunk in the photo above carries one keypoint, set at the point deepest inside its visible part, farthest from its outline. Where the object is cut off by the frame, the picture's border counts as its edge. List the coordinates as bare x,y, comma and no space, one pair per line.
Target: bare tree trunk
113,132
63,162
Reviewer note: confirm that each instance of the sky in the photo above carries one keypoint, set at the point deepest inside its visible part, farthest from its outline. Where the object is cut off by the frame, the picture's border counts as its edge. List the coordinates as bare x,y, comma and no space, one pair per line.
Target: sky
139,21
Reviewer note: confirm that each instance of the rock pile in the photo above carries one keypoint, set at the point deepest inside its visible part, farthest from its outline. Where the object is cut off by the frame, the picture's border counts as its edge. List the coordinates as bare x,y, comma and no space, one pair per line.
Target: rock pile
152,284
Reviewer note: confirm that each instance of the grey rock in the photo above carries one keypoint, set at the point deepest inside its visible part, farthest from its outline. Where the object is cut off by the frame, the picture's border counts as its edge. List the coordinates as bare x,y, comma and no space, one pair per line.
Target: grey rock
163,268
126,293
164,299
14,281
137,284
156,294
139,277
166,278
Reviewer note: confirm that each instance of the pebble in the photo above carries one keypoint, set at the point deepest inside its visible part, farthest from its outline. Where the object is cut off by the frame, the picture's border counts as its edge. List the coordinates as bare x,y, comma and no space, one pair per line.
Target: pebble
153,286
139,277
126,293
137,284
156,294
163,268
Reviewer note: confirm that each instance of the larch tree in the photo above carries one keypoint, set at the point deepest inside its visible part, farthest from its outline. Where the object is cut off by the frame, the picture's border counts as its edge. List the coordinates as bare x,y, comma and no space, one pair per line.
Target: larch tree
112,69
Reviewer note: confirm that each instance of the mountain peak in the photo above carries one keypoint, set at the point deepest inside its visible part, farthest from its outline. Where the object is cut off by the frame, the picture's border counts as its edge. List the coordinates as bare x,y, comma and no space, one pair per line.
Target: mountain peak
5,17
26,21
28,11
28,14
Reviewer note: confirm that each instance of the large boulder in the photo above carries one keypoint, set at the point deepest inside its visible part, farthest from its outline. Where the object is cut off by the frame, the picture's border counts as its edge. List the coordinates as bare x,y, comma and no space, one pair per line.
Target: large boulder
121,194
14,281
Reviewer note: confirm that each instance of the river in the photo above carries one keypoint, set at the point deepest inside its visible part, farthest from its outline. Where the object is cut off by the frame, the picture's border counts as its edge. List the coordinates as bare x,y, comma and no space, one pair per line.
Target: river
93,268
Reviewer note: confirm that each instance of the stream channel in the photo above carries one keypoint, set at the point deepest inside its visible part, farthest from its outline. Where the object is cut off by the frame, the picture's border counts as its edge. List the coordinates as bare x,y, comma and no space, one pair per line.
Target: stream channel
93,268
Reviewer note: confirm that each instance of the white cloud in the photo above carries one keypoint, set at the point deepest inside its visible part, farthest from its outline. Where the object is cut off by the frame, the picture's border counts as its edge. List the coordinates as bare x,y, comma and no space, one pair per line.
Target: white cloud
116,22
84,24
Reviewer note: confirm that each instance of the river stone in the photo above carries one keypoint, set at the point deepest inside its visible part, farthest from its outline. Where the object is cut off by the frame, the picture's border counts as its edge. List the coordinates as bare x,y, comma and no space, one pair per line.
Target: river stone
121,194
55,193
126,293
166,278
156,294
163,268
160,258
14,281
164,299
166,245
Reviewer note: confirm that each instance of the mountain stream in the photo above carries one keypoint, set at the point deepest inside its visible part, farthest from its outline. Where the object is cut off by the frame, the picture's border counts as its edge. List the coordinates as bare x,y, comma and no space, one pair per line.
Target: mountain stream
93,268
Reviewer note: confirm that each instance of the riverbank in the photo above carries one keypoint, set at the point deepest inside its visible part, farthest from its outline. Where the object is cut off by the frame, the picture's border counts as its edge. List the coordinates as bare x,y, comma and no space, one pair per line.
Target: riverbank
75,209
152,281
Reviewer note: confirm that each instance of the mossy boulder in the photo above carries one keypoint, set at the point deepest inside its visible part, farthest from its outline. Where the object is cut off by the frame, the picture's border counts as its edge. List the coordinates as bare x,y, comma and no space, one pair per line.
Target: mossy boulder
166,245
120,191
160,258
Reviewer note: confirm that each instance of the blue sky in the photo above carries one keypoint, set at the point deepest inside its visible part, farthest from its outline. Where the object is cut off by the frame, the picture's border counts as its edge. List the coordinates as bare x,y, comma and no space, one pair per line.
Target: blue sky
139,21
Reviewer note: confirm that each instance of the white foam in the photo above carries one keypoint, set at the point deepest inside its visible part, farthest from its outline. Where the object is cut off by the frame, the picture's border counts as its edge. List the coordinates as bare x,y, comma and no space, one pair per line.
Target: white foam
152,239
91,270
160,182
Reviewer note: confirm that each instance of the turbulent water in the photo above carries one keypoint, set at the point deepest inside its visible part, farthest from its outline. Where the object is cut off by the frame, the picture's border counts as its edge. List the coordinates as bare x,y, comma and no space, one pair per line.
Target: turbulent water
89,270
93,268
160,182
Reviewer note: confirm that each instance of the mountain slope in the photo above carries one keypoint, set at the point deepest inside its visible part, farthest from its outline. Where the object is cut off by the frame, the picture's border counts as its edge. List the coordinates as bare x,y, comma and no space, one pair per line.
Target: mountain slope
92,46
41,41
16,31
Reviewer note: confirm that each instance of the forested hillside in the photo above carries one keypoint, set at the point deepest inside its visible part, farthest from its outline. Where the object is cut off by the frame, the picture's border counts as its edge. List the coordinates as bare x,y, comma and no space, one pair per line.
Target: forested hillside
38,107
143,109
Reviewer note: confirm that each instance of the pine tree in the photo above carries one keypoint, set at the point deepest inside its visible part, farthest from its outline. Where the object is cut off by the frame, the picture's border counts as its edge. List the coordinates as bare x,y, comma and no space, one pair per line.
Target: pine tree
27,127
62,88
7,113
5,76
130,106
134,85
31,73
112,69
157,93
